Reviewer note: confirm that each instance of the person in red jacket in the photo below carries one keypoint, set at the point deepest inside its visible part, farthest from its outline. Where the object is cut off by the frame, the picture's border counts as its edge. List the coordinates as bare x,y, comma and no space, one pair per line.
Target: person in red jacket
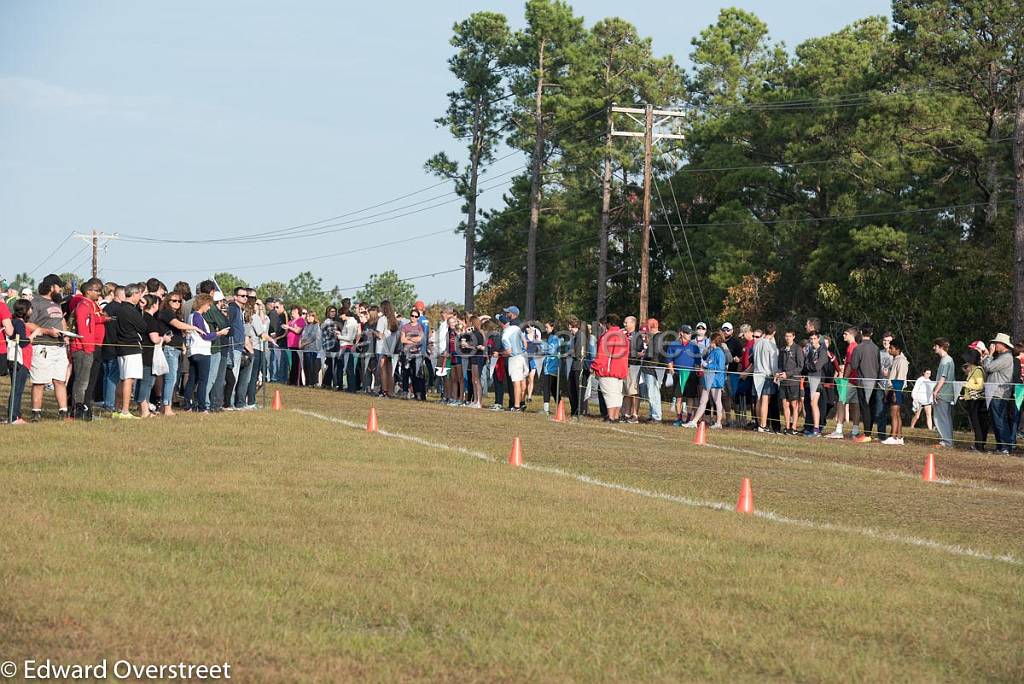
611,365
86,351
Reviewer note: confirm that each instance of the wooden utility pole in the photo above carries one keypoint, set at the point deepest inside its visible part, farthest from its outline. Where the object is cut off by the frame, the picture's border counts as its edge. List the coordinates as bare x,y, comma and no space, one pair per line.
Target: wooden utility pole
645,240
535,189
1018,216
649,135
94,238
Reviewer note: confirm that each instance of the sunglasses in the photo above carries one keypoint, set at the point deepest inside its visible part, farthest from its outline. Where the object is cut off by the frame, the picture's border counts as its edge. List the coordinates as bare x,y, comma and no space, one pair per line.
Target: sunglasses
757,337
175,301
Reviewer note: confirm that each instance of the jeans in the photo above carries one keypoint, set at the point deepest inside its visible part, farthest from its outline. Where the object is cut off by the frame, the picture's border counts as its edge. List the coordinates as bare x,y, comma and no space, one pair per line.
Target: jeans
943,415
195,389
346,366
652,390
215,381
173,357
144,387
999,410
332,376
111,376
311,367
18,379
277,363
254,377
872,410
243,372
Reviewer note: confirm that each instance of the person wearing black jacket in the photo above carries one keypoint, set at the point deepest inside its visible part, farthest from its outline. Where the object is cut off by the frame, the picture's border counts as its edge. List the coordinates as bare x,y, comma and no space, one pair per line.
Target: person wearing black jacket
579,370
866,362
791,367
731,401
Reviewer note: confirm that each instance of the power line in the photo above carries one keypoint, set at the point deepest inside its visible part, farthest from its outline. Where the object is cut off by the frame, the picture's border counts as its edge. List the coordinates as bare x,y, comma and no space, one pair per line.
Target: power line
813,219
72,258
50,255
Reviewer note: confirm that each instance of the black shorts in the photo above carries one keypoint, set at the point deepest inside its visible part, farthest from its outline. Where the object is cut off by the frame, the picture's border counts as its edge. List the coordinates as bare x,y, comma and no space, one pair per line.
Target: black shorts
791,390
692,388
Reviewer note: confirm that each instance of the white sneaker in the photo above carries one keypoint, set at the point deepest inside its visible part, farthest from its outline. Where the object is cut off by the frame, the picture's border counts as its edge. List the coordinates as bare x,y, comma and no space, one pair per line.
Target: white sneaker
716,426
497,407
891,441
838,434
691,424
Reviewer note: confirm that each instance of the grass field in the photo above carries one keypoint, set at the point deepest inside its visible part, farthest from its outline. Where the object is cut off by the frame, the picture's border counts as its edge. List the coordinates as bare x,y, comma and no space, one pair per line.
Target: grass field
297,547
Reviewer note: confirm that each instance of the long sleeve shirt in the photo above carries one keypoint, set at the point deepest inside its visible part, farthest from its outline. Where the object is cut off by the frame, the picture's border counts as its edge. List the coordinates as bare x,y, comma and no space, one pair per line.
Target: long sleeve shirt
999,369
199,342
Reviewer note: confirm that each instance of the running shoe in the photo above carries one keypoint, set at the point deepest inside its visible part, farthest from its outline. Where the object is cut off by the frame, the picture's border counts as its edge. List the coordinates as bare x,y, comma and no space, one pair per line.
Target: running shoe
861,439
691,424
838,434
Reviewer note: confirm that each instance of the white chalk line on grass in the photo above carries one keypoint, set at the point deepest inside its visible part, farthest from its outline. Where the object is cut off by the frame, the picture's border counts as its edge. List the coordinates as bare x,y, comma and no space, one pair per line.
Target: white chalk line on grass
952,549
835,464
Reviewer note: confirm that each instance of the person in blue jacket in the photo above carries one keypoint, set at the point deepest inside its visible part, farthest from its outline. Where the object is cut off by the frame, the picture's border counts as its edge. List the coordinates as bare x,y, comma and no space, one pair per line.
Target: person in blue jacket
551,371
714,381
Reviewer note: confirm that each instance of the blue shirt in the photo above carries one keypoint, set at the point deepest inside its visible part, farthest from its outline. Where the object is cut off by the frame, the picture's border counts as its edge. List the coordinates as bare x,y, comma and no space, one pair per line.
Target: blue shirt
512,340
683,356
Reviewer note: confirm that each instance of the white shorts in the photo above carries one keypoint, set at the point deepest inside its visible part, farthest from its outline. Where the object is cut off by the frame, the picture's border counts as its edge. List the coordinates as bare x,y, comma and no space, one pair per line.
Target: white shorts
611,390
130,366
518,368
49,364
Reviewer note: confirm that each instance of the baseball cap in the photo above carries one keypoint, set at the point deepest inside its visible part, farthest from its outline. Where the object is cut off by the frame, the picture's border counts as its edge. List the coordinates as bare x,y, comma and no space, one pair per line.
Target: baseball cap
511,310
727,326
49,281
977,345
420,305
702,325
686,329
26,292
218,296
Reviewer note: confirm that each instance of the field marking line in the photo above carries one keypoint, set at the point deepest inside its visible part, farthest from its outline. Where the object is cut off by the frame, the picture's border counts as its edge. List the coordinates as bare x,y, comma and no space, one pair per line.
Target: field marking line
952,549
835,464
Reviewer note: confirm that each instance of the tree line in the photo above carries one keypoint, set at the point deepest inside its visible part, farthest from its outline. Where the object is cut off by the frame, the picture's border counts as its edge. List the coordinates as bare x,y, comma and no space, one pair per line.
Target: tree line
875,173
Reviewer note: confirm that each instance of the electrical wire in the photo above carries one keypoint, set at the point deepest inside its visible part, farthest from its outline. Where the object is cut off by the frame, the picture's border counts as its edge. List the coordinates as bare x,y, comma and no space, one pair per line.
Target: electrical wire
50,255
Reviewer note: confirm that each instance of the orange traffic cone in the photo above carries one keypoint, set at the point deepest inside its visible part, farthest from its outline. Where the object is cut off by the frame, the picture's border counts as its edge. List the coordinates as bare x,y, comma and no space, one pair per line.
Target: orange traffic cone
560,412
701,438
276,404
928,474
371,422
746,500
515,457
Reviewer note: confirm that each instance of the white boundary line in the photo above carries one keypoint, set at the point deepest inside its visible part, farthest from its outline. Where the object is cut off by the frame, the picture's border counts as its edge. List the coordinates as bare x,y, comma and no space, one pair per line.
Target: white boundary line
833,464
951,549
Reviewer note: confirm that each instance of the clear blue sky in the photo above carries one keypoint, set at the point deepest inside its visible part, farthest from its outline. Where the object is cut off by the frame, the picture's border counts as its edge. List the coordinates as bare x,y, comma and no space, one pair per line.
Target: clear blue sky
201,119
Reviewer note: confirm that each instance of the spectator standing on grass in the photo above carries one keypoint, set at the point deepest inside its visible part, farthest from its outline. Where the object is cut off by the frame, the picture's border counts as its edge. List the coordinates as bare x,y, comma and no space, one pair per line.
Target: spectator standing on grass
921,394
21,311
898,370
765,357
713,366
731,400
884,384
513,348
579,368
412,361
791,366
200,351
973,398
329,343
172,324
652,370
87,349
309,346
217,317
131,328
49,356
151,341
293,333
683,355
631,402
998,364
816,360
611,365
865,361
943,395
257,332
847,409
